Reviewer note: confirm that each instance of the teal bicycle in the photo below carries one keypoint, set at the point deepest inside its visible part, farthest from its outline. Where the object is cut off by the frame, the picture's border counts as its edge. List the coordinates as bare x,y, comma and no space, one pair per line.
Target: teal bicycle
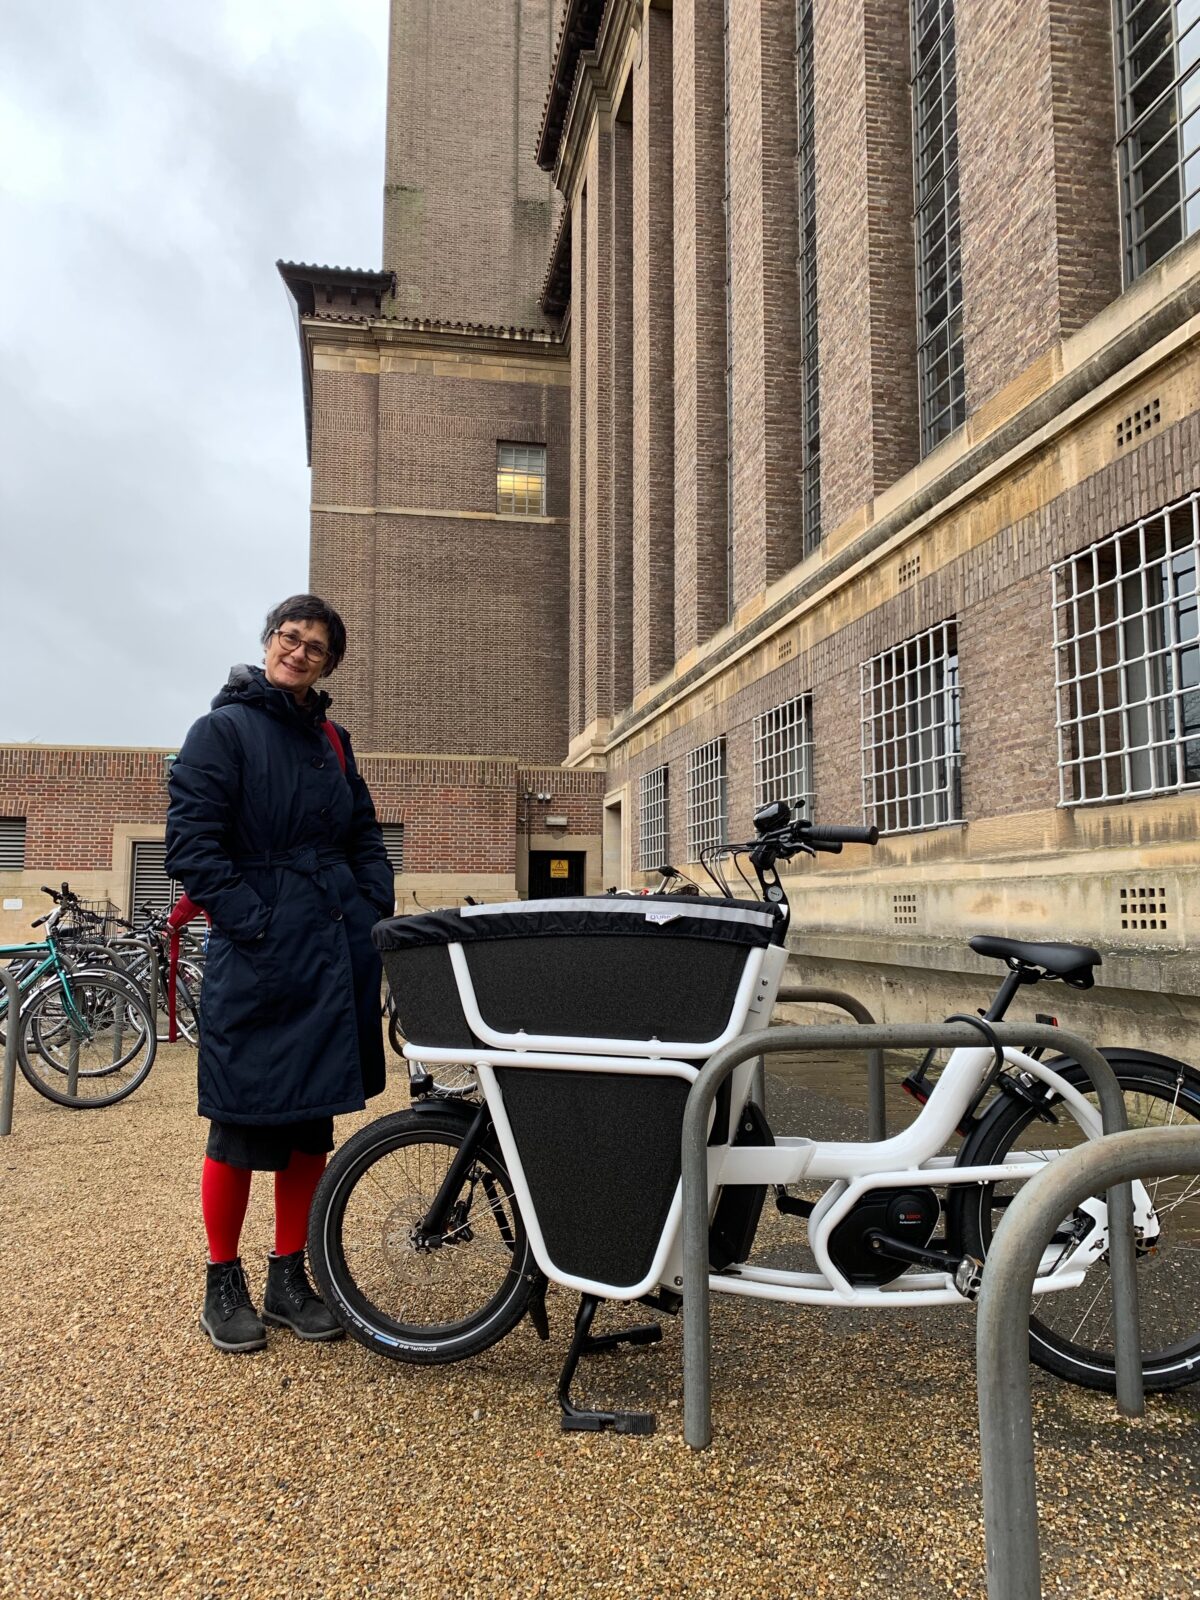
85,1035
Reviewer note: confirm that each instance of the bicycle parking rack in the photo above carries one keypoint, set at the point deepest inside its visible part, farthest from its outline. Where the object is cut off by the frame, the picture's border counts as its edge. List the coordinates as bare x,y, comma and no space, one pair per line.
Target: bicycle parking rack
1002,1360
697,1332
803,994
9,1078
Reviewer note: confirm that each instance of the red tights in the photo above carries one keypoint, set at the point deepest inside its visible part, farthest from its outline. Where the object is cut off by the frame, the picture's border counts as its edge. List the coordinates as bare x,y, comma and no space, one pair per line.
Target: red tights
225,1194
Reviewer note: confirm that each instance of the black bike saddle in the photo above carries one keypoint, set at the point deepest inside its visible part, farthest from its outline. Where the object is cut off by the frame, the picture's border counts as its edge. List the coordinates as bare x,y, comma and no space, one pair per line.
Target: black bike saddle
1072,963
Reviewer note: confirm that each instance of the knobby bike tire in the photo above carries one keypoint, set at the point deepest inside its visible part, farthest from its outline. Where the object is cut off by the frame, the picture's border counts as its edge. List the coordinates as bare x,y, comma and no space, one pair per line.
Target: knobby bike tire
110,1013
405,1301
1070,1334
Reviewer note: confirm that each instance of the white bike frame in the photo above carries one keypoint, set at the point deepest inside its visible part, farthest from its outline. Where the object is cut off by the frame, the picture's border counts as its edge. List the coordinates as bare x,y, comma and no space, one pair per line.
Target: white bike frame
913,1157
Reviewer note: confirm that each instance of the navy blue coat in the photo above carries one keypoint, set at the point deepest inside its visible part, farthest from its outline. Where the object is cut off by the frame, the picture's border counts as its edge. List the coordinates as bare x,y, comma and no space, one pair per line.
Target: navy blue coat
287,858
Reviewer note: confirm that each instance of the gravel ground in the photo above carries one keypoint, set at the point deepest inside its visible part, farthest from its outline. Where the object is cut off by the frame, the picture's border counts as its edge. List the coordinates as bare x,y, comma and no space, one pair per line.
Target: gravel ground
137,1461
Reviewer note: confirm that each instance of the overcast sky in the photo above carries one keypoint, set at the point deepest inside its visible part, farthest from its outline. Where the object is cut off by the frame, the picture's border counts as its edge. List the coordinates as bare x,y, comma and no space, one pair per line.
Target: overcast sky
156,158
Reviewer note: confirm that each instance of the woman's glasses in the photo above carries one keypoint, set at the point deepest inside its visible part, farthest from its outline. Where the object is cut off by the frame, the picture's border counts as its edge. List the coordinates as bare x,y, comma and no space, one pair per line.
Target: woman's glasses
289,642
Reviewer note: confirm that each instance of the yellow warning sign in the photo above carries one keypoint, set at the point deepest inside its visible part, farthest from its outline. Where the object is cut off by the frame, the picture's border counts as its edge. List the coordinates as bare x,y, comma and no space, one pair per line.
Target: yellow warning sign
559,868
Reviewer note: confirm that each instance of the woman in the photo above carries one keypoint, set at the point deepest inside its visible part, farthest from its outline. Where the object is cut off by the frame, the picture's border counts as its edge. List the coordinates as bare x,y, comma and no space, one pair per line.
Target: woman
271,829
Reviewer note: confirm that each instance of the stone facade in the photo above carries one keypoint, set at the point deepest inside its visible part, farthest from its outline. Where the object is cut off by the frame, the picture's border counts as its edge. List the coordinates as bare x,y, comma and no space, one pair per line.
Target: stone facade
1057,360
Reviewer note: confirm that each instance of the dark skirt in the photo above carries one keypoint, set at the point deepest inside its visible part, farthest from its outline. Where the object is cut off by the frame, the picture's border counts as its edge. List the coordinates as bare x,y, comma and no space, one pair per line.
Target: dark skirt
267,1149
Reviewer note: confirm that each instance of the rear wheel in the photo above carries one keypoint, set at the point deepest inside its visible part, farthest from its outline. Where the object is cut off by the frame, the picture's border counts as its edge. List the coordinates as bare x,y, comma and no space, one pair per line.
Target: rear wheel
1071,1334
418,1299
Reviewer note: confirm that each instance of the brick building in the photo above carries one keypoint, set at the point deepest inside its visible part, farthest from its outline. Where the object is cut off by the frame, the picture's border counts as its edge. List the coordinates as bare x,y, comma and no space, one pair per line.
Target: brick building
792,396
859,382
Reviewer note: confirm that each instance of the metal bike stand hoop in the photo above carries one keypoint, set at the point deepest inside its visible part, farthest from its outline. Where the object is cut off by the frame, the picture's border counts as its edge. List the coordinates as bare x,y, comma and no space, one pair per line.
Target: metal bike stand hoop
697,1342
9,1079
1002,1362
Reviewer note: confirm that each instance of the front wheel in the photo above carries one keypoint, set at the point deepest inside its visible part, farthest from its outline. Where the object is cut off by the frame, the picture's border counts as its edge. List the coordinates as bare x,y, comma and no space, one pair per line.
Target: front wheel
400,1293
86,1041
1071,1335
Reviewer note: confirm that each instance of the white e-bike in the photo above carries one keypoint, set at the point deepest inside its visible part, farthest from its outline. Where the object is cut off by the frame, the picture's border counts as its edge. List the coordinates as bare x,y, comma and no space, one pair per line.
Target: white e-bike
584,1022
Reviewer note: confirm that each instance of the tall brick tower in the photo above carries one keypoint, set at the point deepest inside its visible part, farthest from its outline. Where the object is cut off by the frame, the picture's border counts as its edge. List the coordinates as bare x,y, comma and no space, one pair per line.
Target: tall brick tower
437,395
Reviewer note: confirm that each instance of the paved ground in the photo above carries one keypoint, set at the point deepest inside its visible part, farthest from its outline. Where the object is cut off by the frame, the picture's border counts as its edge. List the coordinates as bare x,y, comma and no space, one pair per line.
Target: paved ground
135,1461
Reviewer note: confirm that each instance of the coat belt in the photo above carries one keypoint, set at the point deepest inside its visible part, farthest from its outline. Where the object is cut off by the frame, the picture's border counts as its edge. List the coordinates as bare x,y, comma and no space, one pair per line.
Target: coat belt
307,859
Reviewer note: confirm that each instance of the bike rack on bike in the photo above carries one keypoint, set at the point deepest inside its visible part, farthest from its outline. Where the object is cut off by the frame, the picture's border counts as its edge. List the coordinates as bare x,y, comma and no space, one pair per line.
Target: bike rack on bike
802,994
697,1340
1002,1360
8,1081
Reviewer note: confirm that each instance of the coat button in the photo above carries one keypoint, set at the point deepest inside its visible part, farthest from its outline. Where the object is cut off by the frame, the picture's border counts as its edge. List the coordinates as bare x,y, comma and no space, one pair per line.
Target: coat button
317,762
336,913
324,811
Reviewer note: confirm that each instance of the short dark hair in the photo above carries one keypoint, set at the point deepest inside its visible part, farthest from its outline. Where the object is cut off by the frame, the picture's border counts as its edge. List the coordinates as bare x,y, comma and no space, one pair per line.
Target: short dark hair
309,608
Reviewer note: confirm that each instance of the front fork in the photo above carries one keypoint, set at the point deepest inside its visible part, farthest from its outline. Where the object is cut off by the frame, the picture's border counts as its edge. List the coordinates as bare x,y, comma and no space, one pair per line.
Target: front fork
432,1227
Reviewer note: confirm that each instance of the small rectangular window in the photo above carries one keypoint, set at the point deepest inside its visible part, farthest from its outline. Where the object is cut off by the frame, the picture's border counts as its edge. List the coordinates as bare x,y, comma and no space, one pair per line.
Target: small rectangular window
652,819
521,479
783,754
707,810
911,747
1127,661
393,843
12,844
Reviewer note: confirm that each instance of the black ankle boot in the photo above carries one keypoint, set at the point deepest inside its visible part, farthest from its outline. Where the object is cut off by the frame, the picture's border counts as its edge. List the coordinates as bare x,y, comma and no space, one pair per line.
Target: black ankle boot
229,1319
292,1302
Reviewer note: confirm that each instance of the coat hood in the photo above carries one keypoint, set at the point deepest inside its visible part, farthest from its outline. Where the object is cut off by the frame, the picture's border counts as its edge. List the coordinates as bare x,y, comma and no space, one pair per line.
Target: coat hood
249,686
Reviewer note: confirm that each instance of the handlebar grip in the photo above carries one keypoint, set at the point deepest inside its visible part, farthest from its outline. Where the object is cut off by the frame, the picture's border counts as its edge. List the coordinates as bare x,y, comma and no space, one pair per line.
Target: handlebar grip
38,922
832,846
831,834
53,893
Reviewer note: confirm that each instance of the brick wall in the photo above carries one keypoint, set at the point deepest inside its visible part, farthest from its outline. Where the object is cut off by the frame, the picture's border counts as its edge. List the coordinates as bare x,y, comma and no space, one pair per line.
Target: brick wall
999,592
653,373
468,220
765,296
700,435
429,600
462,817
1040,236
865,273
73,798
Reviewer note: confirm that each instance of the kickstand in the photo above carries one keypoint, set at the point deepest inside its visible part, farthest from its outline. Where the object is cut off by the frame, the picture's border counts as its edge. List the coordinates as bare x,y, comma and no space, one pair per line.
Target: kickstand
583,1343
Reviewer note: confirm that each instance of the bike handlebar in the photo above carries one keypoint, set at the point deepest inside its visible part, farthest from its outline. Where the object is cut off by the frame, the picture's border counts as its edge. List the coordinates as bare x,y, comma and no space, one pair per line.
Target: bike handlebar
829,833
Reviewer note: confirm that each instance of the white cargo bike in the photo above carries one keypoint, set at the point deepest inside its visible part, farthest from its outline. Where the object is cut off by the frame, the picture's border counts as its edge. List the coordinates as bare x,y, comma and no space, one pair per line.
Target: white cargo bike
582,1023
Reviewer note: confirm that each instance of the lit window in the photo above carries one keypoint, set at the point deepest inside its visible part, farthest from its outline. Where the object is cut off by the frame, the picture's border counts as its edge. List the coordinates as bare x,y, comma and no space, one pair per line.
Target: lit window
521,479
1127,661
652,820
783,754
706,798
910,734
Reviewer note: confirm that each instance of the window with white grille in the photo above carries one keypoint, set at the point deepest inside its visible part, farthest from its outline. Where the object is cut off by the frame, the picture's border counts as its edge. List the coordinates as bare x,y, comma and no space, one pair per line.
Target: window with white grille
393,843
12,844
1127,661
150,884
783,754
521,479
1157,58
652,819
706,803
910,734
